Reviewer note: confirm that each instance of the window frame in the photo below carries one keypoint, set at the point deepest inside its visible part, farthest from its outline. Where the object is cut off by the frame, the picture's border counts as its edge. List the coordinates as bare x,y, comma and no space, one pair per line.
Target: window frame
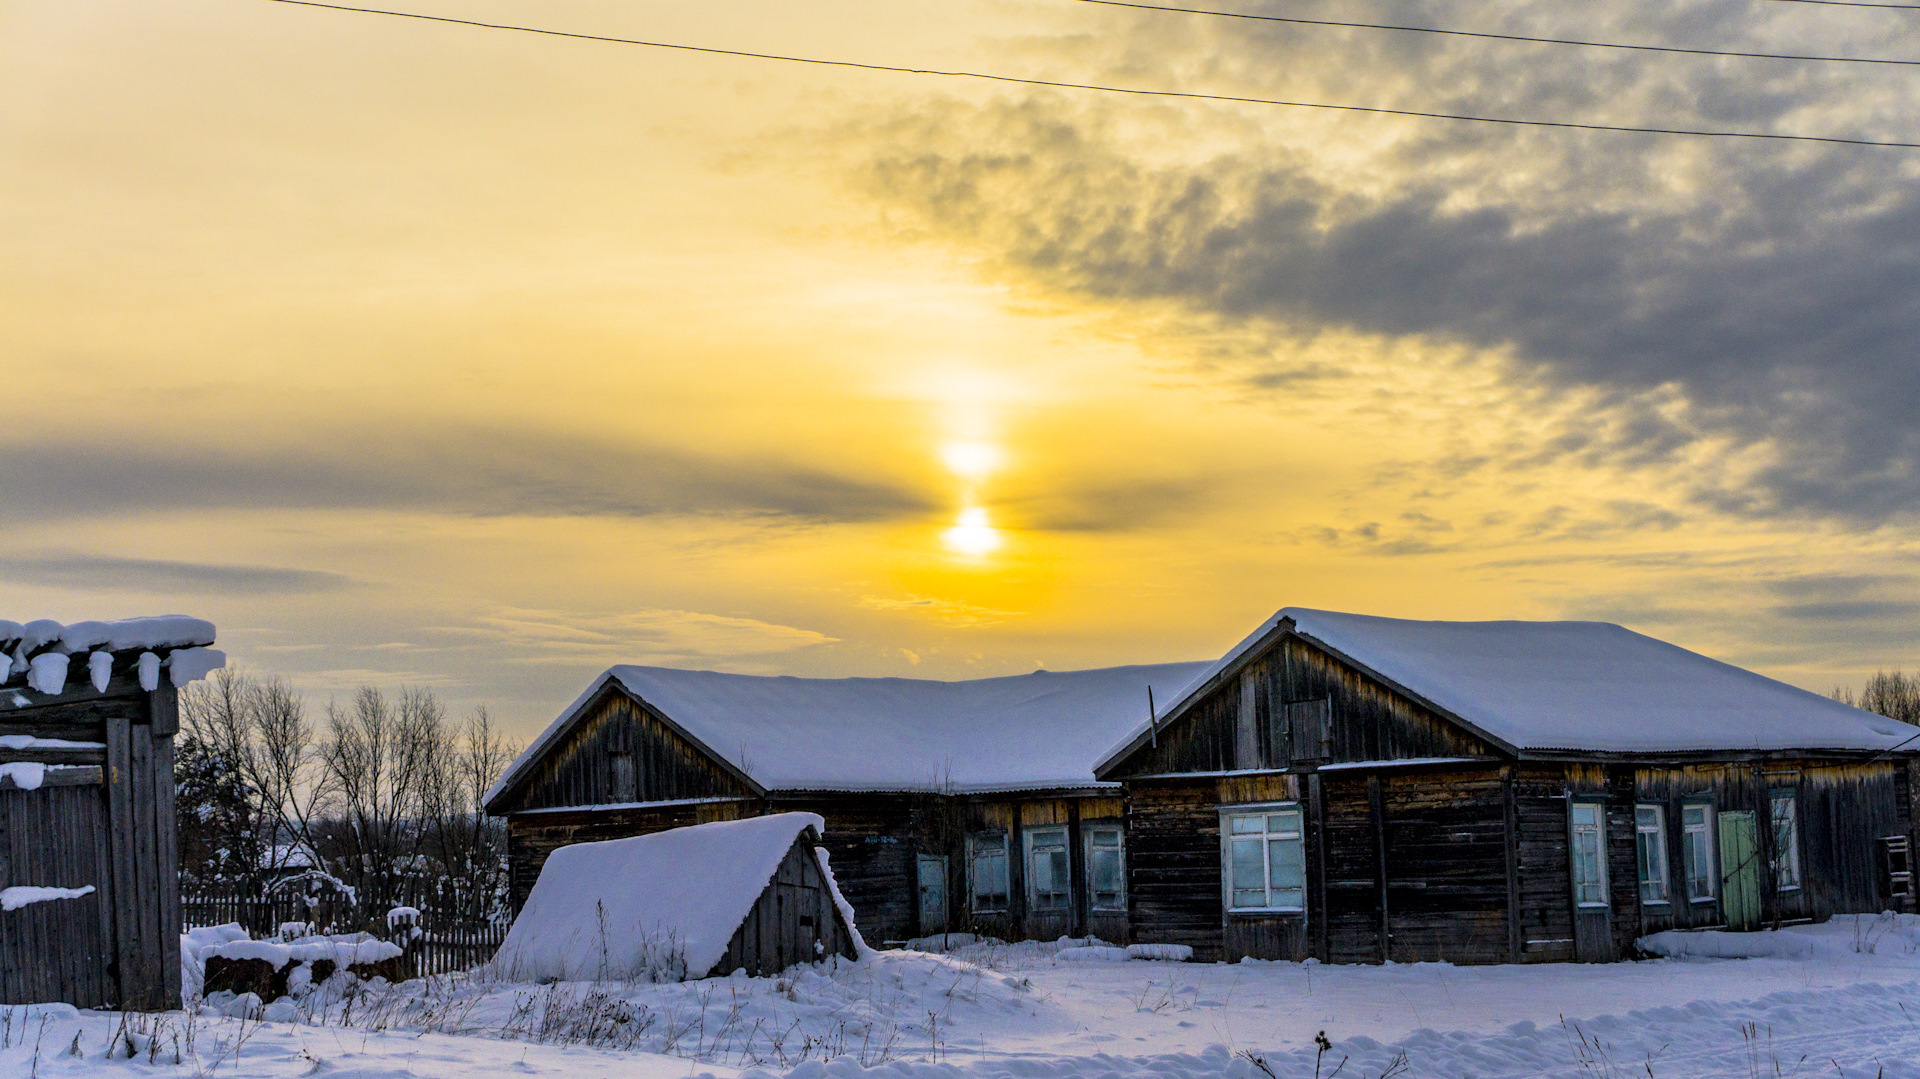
1029,843
1789,854
1657,858
1262,810
1119,831
990,843
1711,845
1599,831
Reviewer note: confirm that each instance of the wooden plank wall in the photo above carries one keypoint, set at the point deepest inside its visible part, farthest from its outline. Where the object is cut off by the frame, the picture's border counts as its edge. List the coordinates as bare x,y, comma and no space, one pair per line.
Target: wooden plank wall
110,826
1369,721
1173,845
870,843
578,769
793,921
1446,866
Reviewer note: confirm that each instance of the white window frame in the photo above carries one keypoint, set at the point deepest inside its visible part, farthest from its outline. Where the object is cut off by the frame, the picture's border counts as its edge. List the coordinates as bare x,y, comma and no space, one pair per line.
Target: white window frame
1227,835
1709,843
1598,829
1119,833
1786,862
1650,851
989,843
1033,840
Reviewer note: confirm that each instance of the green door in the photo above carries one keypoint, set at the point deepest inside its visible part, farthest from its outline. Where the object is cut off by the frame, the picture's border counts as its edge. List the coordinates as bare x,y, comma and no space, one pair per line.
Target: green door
1739,871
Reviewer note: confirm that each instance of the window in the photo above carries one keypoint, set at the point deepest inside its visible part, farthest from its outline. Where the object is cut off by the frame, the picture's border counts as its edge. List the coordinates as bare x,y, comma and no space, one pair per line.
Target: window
1106,868
1696,821
987,872
1786,840
1589,823
1266,859
1048,886
1650,846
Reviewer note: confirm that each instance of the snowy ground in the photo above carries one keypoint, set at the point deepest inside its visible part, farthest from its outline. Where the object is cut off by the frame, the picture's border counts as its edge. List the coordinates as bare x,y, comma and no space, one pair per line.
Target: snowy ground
1836,1000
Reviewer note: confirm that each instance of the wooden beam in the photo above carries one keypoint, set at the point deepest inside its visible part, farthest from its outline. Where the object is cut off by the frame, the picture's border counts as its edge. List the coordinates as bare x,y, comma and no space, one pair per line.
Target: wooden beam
60,776
119,794
1377,815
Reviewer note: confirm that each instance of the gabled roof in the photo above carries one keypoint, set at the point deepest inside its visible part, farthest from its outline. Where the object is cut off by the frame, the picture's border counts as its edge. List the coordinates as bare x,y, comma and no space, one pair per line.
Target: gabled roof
1569,686
634,907
1025,732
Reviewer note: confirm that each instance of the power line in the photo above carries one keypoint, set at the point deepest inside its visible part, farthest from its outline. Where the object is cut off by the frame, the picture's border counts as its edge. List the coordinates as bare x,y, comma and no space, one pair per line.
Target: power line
1489,36
1059,85
1852,3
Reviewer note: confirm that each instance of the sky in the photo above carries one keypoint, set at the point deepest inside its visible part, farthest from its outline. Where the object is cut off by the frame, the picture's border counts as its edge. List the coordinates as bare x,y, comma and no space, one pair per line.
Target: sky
422,354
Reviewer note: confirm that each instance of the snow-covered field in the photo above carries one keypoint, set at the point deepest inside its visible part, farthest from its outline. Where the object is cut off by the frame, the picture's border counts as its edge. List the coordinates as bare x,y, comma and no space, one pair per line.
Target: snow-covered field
1841,999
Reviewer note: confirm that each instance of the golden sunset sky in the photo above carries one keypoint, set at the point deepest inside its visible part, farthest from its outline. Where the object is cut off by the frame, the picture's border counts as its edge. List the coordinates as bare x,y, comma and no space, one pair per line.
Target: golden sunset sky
426,354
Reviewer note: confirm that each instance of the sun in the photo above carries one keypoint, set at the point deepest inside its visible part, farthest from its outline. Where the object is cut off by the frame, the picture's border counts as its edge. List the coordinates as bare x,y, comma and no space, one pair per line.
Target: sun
972,536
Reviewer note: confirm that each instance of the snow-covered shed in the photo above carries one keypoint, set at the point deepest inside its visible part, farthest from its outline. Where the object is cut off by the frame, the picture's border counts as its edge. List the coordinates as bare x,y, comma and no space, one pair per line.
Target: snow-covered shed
967,806
755,894
89,875
1360,789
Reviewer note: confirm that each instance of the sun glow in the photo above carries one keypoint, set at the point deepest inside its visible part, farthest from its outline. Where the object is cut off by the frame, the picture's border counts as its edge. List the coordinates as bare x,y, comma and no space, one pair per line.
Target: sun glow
971,460
972,536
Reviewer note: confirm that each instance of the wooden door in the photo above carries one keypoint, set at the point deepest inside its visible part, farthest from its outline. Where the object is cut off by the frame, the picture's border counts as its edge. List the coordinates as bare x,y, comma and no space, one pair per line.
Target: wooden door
58,948
932,869
1739,870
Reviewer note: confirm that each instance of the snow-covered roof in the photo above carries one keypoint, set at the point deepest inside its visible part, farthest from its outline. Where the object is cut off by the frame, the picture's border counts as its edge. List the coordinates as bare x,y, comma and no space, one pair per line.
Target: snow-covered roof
1029,731
631,908
42,652
1582,686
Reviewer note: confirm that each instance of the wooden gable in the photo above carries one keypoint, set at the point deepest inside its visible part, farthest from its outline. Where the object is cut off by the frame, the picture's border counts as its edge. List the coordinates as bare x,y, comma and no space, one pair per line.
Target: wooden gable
1291,703
618,752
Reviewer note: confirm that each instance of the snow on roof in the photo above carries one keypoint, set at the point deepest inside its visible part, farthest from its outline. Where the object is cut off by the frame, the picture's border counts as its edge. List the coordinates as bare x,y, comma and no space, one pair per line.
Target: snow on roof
1585,686
1029,731
40,650
633,908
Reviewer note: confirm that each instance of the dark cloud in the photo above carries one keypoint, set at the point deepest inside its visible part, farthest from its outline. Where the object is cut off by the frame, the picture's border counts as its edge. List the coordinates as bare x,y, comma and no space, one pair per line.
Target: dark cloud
70,569
473,472
1772,291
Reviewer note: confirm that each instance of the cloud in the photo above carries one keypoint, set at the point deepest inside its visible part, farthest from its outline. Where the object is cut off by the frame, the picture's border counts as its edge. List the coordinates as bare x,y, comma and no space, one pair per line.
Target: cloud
76,570
1110,506
470,471
1757,298
955,611
648,635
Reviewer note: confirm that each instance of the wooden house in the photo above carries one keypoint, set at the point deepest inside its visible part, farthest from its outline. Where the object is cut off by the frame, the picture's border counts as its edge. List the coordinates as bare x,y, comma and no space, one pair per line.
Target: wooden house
89,879
964,806
1360,789
754,894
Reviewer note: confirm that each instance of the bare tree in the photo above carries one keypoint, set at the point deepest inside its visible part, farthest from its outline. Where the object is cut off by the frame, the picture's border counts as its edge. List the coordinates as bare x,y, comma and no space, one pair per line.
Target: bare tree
1890,693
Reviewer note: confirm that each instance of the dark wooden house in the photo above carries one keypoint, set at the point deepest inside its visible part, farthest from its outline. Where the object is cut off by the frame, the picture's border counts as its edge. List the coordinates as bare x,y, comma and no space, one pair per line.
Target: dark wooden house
948,806
1360,789
752,894
89,881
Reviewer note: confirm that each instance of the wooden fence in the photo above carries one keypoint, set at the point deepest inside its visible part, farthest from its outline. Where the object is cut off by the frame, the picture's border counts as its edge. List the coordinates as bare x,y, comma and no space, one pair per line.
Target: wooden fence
447,944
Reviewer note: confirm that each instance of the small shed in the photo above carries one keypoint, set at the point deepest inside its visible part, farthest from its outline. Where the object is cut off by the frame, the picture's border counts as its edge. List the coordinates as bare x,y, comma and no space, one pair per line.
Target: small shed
755,894
89,875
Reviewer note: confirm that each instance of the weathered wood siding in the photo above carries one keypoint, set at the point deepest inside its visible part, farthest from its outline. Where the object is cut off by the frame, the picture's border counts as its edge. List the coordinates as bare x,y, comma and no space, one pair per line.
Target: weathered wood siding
103,819
1446,862
1368,720
793,921
1173,836
620,752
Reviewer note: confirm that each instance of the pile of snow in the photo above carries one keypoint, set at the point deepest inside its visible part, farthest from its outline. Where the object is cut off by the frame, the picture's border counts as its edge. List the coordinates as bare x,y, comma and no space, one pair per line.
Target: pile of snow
1028,731
1847,934
231,941
654,907
42,651
1570,685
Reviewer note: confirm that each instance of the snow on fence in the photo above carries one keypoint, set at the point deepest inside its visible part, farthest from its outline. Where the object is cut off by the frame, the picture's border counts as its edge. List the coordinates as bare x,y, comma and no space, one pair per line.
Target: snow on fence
448,942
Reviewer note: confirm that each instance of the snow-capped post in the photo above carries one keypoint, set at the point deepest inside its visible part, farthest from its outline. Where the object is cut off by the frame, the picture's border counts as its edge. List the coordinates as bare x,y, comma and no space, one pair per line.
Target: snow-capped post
403,929
87,756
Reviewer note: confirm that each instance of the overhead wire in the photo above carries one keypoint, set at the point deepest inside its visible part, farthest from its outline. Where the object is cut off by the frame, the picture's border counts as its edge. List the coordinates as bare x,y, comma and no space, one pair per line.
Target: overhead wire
1296,20
1100,88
